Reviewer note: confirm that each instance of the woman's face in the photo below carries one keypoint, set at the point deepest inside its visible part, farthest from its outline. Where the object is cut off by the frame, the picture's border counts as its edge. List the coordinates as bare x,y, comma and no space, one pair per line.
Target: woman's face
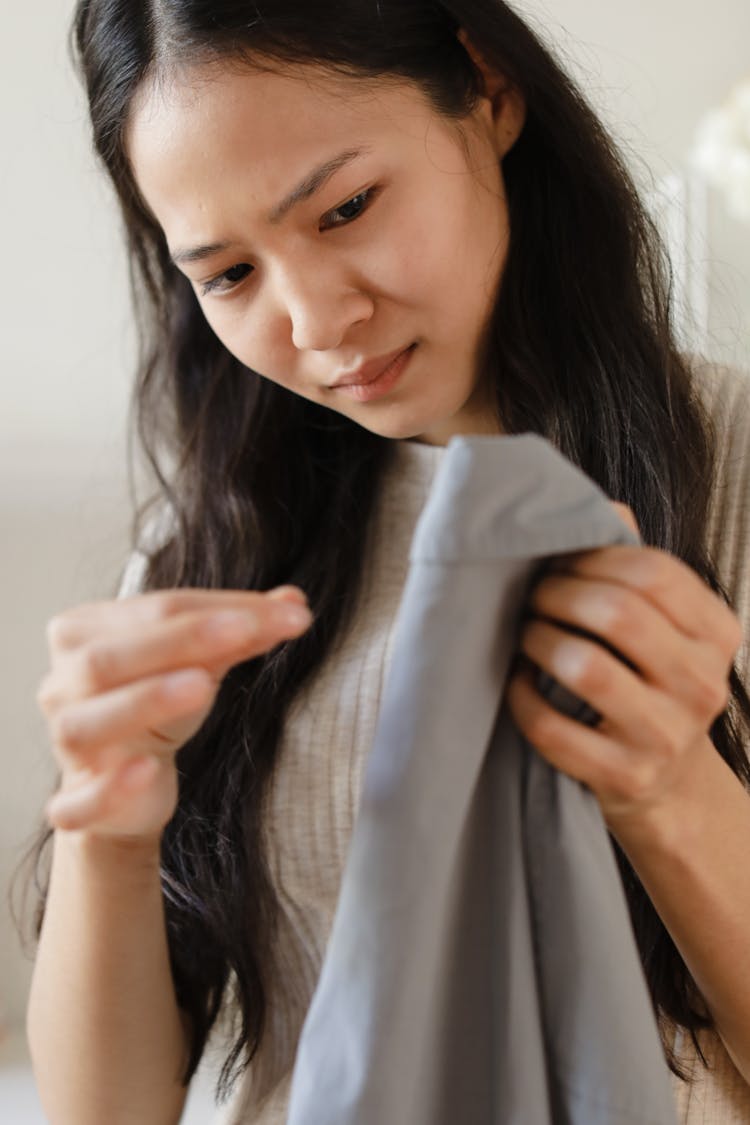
326,222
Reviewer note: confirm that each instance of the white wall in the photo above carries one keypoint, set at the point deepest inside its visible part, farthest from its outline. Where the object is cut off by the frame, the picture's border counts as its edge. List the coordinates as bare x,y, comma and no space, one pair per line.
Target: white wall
66,347
653,65
652,68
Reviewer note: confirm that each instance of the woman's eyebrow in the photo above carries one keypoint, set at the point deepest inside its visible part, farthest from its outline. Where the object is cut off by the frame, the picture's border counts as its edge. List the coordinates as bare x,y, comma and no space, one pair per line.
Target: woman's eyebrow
306,188
314,182
198,253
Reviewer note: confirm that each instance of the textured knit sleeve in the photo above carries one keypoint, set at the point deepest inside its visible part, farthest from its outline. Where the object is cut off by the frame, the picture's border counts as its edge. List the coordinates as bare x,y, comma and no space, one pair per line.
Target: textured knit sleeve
726,391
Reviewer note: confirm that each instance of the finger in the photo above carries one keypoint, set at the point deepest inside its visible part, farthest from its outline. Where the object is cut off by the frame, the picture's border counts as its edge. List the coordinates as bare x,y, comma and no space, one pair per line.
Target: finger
626,514
668,583
632,711
191,640
694,672
89,804
624,782
79,624
133,715
584,753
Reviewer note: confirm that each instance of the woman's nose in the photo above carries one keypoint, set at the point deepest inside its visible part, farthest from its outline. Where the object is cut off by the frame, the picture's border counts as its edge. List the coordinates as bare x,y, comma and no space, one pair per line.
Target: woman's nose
322,310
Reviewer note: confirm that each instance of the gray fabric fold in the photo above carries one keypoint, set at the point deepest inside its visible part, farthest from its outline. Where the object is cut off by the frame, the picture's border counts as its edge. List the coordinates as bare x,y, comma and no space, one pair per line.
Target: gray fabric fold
481,968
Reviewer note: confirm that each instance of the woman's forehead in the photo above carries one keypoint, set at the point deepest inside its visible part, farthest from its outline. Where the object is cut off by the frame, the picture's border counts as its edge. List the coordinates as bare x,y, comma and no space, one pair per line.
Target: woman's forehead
228,96
199,132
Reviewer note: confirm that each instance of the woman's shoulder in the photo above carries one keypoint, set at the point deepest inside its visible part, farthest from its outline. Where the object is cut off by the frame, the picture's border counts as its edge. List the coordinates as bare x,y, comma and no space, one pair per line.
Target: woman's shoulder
725,391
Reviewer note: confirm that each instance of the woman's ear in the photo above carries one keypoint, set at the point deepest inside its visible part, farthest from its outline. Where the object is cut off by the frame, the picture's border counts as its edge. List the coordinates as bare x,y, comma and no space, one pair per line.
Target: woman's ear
507,103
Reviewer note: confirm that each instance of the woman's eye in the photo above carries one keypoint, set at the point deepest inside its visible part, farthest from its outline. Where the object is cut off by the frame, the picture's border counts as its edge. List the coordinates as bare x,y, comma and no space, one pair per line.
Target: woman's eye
350,210
339,217
226,281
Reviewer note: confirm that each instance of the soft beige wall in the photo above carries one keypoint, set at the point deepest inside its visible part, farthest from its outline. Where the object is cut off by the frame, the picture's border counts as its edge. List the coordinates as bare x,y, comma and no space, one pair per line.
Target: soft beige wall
66,347
65,358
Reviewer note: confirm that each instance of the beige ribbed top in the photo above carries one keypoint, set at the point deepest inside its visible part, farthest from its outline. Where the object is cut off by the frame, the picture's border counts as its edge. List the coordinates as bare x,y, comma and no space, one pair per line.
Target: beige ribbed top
315,794
329,731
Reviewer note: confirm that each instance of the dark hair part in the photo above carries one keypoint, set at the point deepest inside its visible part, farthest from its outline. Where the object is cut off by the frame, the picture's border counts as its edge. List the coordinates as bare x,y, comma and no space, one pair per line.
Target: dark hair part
581,351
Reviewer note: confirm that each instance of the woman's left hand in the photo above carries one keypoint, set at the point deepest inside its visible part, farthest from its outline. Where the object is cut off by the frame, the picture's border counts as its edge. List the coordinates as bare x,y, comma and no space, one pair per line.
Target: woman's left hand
681,638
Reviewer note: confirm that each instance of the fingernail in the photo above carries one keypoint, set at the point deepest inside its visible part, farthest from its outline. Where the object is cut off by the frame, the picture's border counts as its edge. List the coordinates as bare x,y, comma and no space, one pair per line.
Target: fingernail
287,593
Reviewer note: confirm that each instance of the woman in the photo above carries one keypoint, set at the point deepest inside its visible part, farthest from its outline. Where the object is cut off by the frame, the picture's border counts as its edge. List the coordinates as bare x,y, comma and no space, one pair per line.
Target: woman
358,229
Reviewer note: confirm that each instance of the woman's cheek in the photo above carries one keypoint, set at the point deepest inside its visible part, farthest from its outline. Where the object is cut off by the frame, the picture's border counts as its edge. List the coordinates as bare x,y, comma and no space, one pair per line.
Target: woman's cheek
240,330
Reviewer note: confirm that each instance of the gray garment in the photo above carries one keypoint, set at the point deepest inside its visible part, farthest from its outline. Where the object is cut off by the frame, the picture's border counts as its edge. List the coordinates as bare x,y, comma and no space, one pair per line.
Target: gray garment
481,969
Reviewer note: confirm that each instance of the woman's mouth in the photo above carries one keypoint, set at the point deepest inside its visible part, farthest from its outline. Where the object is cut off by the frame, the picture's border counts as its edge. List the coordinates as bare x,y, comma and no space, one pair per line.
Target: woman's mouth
382,384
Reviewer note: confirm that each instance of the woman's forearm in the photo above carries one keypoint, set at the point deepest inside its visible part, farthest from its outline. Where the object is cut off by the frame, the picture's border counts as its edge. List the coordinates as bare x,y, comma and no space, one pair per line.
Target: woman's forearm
107,1039
693,862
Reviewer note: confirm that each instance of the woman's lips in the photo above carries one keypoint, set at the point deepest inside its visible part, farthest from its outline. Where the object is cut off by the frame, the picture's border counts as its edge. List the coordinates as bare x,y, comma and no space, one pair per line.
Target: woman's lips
382,384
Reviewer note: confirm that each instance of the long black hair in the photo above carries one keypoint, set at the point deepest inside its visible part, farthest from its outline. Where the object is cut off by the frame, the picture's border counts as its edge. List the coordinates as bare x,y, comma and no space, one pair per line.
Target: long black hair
581,350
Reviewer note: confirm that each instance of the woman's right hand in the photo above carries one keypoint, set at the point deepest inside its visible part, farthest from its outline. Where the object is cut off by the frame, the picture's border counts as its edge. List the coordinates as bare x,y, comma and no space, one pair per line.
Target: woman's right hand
131,680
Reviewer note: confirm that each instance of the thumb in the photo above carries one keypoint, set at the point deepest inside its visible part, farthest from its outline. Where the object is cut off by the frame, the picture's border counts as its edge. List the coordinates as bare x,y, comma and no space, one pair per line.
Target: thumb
626,515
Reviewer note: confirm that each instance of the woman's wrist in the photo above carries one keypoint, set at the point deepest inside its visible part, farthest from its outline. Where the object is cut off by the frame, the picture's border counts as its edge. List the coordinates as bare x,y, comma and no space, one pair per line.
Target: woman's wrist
111,853
689,852
672,824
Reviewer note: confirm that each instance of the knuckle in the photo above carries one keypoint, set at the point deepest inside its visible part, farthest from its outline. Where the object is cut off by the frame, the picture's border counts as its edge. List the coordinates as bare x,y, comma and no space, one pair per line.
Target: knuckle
668,737
47,694
592,673
67,732
641,781
614,780
97,667
617,612
162,689
710,695
656,570
166,604
230,628
735,633
671,731
57,631
661,728
257,625
722,697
